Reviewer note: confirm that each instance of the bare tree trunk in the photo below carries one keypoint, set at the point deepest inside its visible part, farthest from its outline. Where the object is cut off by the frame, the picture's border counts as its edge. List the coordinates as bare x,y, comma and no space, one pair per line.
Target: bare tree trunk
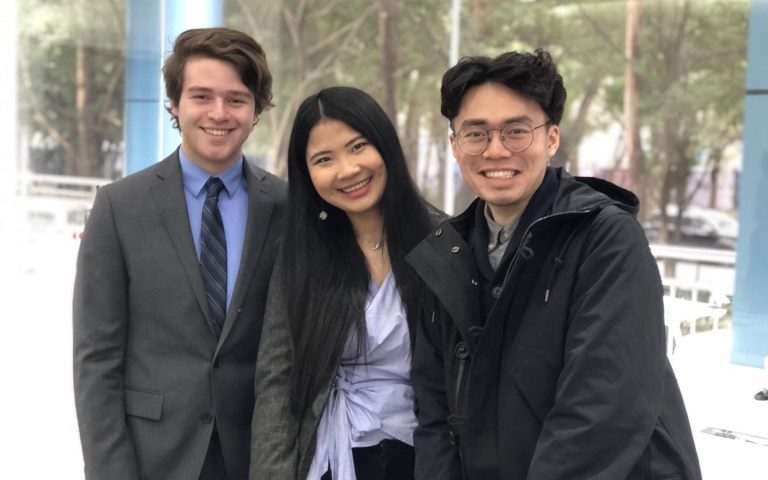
87,161
714,177
410,136
680,187
36,100
480,25
568,153
387,20
632,99
665,136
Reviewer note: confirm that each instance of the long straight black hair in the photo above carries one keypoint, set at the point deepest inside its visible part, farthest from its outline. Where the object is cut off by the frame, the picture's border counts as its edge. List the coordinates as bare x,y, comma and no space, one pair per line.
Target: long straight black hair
326,277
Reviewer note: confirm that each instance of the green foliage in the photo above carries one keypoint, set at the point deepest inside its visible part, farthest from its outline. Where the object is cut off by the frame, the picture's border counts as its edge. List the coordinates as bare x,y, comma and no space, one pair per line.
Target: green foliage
691,66
59,40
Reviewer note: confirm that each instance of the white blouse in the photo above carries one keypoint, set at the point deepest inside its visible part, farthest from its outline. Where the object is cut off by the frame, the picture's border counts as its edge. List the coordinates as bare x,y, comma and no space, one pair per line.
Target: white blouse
371,401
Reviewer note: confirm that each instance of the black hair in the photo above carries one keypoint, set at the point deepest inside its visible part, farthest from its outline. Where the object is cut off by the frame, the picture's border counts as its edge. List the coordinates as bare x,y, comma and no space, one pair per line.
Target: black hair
533,75
327,280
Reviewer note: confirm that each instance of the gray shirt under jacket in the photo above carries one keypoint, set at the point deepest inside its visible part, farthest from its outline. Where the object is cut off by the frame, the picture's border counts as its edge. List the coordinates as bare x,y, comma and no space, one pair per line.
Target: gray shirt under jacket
498,237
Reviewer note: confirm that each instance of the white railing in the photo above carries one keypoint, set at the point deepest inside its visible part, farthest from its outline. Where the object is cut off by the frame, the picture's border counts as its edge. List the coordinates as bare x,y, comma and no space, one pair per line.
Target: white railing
60,186
697,270
698,284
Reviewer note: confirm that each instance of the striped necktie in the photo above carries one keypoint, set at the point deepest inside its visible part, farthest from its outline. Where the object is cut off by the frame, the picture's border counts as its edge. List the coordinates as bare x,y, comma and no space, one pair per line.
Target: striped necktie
213,253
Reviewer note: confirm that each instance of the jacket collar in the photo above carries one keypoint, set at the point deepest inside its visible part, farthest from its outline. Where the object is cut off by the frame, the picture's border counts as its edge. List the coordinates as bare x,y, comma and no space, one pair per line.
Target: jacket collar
168,191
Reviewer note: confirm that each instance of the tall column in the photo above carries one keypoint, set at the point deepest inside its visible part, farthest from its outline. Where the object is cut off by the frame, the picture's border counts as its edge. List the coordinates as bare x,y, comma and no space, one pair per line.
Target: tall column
9,99
181,15
152,27
750,303
143,98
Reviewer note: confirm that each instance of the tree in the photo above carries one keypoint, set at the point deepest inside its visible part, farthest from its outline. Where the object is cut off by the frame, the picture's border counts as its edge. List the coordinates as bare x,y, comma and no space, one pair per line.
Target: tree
71,65
393,49
692,94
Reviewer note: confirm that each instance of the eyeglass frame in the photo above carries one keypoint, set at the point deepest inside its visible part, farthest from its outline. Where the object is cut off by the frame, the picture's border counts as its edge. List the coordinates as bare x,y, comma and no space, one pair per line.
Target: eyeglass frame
501,137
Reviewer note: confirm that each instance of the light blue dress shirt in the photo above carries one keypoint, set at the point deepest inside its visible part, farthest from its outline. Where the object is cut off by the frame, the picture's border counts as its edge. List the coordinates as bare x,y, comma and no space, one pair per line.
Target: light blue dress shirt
233,206
372,401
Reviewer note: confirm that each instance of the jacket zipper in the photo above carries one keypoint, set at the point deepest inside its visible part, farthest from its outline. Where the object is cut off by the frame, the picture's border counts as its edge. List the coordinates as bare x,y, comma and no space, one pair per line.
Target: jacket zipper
526,233
459,378
507,276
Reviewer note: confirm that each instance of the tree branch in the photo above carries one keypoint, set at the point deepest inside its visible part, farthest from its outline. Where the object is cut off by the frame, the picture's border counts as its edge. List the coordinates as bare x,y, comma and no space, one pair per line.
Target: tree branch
352,26
618,50
38,112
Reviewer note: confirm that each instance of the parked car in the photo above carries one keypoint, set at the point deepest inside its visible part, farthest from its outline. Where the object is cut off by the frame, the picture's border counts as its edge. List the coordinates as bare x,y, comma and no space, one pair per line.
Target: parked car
700,227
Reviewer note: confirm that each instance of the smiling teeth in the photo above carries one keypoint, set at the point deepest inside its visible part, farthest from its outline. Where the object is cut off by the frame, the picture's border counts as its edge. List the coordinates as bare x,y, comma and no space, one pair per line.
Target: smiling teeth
218,133
500,174
356,186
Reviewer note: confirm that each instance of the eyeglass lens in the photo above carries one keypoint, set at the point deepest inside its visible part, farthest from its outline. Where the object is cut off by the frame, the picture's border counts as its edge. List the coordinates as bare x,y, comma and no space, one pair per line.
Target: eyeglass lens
516,137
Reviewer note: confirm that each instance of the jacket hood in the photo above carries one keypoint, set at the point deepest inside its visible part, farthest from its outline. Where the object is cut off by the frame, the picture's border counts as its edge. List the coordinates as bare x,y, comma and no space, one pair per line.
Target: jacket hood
586,193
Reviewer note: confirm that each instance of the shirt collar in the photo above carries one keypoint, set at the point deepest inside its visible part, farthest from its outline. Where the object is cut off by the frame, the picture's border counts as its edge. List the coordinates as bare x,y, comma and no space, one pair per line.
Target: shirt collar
194,177
497,235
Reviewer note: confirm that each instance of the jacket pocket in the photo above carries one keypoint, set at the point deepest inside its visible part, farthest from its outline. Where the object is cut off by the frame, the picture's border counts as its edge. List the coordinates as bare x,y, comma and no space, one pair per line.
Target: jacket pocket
535,378
144,403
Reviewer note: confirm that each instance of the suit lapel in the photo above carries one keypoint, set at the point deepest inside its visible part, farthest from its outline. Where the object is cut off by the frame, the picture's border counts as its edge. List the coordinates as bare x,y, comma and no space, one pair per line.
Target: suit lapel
260,206
168,191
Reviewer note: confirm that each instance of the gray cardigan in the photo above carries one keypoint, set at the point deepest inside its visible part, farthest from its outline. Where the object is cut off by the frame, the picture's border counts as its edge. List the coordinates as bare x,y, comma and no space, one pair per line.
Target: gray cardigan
282,445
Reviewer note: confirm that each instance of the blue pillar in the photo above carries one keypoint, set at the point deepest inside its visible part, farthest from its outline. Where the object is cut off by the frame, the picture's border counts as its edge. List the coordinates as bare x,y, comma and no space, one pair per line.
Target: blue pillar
152,27
142,84
181,15
750,303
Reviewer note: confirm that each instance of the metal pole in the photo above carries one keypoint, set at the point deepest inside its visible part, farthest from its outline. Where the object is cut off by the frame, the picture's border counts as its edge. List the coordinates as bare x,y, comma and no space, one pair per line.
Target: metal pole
8,98
453,57
9,164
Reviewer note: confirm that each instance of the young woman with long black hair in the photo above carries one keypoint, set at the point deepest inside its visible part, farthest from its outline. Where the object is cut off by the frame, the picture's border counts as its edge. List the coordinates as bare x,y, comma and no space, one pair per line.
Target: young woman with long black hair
333,392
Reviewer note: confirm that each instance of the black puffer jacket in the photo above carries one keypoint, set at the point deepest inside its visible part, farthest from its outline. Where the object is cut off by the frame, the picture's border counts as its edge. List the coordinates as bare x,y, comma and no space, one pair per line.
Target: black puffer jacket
566,377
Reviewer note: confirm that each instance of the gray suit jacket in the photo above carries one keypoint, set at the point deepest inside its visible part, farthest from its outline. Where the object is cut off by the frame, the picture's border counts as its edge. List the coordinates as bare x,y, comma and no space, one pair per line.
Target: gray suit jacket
151,376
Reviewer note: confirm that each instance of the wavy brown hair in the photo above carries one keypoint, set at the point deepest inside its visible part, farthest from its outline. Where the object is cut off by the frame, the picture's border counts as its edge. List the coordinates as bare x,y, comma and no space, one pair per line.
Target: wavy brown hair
231,46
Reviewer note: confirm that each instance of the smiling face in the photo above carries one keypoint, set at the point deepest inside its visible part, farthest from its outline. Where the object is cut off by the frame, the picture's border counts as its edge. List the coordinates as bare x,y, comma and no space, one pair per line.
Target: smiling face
347,171
216,113
505,180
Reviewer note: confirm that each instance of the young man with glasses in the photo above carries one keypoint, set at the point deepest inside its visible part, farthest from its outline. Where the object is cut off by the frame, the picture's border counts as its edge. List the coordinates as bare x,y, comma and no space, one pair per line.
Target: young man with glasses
544,357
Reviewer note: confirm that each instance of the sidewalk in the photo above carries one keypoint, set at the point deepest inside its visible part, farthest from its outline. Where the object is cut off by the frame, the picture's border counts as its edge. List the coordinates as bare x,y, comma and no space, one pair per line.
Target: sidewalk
719,396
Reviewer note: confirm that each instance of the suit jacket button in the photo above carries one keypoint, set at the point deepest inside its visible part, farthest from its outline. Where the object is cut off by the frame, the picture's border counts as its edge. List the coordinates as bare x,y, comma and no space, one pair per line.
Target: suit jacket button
455,250
496,292
206,418
439,232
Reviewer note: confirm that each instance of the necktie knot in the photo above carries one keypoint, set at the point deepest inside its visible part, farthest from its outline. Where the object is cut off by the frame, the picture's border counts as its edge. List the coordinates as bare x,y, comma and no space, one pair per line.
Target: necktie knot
213,187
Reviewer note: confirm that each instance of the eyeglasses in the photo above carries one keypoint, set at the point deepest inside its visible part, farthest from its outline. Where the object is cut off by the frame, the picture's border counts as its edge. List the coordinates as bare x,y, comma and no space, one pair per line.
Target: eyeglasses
515,136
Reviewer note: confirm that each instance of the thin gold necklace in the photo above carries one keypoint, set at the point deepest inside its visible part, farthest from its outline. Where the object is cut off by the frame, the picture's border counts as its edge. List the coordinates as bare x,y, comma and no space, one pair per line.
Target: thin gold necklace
377,245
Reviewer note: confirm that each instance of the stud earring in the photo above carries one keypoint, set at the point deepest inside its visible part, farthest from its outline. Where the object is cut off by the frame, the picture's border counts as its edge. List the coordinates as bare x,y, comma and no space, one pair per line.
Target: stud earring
323,215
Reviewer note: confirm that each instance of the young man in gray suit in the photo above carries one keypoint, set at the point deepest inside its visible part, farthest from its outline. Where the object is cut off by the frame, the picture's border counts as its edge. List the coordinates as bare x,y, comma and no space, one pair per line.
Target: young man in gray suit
172,279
